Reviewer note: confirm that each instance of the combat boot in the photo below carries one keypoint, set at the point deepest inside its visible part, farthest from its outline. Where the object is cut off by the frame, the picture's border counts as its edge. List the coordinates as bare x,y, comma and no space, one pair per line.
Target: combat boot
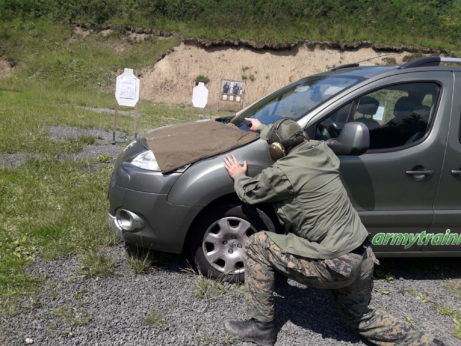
261,333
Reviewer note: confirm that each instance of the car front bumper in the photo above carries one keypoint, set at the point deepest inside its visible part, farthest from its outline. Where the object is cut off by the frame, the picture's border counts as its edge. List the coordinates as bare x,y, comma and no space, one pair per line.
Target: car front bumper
165,226
113,224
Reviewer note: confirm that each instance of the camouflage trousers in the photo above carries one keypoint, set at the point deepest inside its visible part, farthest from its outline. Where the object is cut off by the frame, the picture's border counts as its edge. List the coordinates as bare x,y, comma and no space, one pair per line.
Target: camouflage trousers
349,277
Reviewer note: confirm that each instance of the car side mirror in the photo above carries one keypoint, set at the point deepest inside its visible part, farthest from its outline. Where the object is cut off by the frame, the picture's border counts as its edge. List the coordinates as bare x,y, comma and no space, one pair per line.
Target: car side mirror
354,139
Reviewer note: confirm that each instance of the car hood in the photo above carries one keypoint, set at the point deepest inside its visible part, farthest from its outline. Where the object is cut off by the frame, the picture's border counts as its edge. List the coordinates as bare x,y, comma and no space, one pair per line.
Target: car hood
178,145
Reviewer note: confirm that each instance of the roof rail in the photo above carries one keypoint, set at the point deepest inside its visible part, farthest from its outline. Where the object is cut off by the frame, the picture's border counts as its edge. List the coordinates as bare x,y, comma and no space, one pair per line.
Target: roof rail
344,66
429,61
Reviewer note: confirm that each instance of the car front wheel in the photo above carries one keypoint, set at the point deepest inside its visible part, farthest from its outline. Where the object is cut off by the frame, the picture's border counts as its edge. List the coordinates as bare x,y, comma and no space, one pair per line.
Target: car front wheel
219,238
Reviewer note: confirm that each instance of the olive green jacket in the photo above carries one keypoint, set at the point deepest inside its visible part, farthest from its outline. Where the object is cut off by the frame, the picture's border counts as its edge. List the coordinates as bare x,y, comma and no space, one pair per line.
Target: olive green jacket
310,202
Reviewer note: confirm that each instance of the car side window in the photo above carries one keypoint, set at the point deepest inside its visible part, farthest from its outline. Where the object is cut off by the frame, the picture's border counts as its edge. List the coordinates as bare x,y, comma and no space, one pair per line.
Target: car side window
396,115
331,126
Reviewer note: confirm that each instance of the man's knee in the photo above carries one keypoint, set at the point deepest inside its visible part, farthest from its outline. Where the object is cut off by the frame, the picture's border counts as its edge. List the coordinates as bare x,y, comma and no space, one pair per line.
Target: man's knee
257,248
257,241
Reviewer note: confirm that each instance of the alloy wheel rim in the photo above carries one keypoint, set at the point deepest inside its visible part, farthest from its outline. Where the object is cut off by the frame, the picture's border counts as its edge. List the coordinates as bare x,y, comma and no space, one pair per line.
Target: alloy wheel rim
224,244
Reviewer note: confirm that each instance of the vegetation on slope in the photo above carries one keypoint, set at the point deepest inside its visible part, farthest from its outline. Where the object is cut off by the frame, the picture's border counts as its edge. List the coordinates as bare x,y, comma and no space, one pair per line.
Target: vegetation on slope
432,23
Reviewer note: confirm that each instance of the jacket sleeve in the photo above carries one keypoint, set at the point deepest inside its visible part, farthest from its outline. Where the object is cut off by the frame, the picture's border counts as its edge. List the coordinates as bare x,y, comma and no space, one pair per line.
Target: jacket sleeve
264,131
271,185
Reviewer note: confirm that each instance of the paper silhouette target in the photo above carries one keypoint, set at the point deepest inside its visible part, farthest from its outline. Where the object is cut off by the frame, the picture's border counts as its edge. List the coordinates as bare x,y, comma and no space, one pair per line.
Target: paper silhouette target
127,89
231,90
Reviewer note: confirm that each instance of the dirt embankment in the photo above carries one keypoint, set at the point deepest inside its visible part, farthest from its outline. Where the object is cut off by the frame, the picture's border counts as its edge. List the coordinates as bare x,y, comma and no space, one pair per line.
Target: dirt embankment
5,68
261,68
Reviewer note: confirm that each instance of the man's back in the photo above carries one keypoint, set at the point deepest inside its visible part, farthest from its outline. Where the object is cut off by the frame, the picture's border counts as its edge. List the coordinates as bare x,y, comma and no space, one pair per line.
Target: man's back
319,211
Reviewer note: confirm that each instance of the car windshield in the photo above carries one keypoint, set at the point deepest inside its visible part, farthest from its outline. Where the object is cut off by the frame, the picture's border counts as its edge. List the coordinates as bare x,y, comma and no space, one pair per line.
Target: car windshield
299,98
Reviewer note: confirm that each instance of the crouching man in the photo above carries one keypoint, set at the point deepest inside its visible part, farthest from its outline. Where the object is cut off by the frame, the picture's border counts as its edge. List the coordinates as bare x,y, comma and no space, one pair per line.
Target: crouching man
325,244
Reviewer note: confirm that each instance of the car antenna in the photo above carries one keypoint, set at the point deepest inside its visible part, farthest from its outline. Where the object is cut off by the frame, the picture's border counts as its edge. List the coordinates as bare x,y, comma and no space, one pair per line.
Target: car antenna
356,64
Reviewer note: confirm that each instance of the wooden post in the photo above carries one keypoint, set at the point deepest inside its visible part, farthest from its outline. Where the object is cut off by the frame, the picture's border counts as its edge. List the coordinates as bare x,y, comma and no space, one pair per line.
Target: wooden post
115,124
135,123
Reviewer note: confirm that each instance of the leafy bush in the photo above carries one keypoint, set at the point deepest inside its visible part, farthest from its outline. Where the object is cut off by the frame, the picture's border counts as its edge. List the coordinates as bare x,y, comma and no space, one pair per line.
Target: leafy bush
201,78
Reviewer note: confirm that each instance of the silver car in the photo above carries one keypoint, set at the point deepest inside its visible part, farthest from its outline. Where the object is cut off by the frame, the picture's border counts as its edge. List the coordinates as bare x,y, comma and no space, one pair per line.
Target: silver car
396,129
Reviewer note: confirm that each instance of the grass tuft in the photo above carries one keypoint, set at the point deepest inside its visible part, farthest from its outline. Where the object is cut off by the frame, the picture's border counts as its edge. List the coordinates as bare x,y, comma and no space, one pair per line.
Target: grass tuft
140,265
189,270
73,316
457,330
389,61
382,275
154,318
205,339
208,289
95,264
454,314
454,287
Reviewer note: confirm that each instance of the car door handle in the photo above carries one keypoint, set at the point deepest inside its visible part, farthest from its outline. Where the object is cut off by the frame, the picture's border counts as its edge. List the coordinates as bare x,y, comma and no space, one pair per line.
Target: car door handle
423,172
455,172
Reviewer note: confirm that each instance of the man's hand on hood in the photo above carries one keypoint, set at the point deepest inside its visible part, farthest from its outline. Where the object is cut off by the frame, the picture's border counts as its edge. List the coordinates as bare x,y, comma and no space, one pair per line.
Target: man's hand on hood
233,167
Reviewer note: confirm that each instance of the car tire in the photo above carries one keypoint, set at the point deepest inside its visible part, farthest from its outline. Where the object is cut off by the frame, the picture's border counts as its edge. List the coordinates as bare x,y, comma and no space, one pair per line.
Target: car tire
218,241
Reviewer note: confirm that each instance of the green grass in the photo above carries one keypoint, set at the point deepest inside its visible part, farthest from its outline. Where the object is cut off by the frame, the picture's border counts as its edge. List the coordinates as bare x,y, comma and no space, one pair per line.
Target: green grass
453,314
51,206
432,23
154,318
140,265
96,264
454,288
72,316
54,53
205,339
208,289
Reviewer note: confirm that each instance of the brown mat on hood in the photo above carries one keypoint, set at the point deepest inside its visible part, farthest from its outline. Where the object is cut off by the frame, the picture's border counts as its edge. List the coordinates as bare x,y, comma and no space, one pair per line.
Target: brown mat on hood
179,145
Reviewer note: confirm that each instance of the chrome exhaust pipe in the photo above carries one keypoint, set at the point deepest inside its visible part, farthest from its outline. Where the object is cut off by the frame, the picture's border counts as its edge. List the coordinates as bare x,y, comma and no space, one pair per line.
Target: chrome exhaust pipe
128,221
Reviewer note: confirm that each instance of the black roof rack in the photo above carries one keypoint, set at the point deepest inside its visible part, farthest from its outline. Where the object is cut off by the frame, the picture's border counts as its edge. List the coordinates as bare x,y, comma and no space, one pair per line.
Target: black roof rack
429,61
344,66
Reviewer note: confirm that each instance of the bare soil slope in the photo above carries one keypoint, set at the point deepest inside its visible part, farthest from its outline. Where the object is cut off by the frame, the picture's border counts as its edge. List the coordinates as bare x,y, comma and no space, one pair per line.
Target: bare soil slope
5,68
172,78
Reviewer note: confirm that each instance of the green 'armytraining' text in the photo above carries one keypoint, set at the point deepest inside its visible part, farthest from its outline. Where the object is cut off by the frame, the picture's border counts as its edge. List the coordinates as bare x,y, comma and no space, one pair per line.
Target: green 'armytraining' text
422,238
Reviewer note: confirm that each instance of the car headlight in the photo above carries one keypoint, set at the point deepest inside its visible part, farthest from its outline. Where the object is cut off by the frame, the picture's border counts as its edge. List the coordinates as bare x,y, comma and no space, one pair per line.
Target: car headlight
147,160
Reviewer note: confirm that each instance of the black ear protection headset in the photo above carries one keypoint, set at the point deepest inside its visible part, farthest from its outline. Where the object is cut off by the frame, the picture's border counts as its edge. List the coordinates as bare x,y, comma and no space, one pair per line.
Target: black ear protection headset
276,149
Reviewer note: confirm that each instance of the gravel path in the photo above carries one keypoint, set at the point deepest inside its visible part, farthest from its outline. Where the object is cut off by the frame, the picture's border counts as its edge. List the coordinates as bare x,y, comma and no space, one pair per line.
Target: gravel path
102,147
73,310
13,161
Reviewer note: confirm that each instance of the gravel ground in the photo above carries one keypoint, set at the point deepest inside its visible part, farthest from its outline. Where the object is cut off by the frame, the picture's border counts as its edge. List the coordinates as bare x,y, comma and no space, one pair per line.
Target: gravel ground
102,147
13,161
74,310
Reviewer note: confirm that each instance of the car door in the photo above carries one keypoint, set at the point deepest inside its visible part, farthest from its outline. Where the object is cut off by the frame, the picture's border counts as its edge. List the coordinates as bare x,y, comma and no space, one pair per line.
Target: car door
394,184
445,232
